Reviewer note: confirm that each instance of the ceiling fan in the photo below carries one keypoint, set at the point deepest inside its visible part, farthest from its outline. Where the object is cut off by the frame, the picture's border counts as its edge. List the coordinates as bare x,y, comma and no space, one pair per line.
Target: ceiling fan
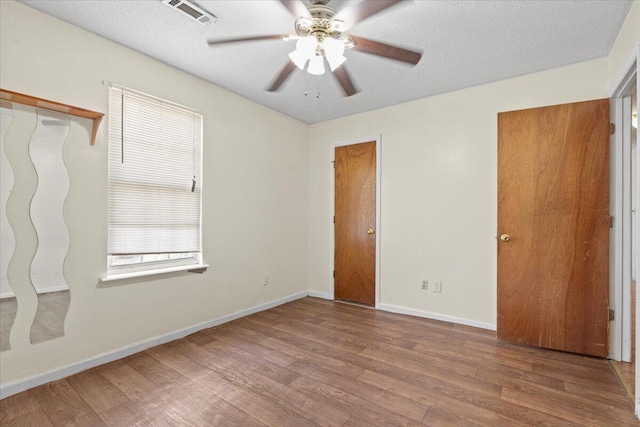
322,39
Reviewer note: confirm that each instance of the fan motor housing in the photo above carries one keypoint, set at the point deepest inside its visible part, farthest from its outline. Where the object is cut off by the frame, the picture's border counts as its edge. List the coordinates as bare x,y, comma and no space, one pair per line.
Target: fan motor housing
321,25
322,11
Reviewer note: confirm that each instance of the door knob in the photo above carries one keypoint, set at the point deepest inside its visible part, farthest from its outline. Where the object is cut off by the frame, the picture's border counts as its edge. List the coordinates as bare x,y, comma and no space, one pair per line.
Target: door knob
371,231
505,237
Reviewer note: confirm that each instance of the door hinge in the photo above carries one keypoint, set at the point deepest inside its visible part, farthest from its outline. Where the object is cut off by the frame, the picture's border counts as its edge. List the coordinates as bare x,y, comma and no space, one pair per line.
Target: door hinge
612,314
612,128
333,162
334,219
611,222
334,274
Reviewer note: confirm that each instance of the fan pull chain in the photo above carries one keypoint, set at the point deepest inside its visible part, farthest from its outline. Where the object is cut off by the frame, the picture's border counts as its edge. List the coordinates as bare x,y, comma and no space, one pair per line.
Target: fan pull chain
306,84
318,94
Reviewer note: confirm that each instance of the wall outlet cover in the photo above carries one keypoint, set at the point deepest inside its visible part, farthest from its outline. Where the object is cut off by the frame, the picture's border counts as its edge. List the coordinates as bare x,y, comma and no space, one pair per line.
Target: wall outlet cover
437,286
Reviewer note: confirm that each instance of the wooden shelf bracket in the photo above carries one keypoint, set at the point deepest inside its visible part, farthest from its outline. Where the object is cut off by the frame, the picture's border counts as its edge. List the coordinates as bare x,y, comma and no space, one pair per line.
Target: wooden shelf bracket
33,101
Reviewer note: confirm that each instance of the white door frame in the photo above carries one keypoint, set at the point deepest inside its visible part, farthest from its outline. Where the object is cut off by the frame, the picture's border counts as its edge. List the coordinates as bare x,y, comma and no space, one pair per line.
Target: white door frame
332,206
637,254
621,171
620,272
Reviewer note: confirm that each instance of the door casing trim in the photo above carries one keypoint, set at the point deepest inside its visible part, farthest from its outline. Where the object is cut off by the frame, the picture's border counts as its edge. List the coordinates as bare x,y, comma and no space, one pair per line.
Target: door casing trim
620,333
332,208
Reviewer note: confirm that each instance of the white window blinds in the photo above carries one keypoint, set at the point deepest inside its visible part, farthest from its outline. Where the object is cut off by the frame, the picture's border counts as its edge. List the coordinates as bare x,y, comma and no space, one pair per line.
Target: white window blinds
154,175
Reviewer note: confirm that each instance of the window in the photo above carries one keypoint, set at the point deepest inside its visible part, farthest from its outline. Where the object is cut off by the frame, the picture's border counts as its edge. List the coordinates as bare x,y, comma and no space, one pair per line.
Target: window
155,184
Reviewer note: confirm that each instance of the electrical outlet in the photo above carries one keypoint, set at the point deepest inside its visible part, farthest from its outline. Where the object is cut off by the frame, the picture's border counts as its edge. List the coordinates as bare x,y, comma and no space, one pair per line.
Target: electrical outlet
33,269
265,280
425,285
437,286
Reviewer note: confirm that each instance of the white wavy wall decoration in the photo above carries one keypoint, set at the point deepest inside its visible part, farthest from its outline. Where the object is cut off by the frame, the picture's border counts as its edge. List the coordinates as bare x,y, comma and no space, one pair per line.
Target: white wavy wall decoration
47,205
7,239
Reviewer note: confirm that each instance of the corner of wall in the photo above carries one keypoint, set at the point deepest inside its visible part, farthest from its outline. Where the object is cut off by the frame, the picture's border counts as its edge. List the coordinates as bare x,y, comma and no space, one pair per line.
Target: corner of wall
625,44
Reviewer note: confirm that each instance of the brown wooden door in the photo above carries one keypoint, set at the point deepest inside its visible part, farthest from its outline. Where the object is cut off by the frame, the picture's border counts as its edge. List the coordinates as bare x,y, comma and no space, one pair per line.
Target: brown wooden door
355,223
553,202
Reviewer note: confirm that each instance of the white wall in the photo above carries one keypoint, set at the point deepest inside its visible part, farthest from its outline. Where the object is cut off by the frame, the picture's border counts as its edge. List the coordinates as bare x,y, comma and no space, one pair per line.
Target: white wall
626,41
439,175
254,203
266,200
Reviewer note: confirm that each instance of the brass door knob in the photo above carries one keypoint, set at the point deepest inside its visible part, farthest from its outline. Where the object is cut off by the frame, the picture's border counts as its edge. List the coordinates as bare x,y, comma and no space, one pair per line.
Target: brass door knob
371,231
505,237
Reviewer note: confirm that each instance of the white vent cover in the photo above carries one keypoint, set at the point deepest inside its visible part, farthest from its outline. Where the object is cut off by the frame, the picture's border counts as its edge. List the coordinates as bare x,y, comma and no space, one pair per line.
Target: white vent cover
190,10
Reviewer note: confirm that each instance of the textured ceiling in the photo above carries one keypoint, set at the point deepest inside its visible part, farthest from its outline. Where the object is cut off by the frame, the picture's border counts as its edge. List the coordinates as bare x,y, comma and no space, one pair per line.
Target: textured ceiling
464,43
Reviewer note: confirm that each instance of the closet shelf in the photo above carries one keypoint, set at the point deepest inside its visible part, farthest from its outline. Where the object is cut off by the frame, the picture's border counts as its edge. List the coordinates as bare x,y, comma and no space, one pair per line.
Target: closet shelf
59,107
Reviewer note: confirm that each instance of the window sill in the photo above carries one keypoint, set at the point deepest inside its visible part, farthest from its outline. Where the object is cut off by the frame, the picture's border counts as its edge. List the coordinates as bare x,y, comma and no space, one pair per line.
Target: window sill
195,268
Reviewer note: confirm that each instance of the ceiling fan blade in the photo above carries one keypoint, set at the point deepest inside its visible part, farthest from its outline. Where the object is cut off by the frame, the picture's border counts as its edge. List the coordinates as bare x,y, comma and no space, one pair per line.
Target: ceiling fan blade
388,51
248,39
343,78
284,75
297,8
358,12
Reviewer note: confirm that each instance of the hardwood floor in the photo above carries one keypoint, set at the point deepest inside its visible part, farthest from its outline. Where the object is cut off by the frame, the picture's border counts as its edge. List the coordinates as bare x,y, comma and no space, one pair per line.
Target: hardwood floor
316,362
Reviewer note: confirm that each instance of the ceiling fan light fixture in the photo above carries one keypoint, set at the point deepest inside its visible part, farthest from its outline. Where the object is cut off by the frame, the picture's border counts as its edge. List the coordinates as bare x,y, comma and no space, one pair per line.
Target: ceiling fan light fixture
349,43
334,52
336,61
337,26
316,65
305,50
320,34
303,26
299,59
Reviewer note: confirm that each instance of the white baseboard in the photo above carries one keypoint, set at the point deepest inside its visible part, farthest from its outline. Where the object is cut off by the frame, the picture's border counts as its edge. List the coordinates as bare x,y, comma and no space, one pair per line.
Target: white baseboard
317,294
15,387
9,294
59,288
435,316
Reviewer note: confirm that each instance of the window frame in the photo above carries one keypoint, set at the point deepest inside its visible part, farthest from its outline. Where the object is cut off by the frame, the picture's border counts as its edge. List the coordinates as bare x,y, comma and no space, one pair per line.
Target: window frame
116,271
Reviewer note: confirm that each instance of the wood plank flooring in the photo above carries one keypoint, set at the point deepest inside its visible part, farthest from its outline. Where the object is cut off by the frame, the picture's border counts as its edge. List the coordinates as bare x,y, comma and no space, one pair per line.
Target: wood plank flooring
316,362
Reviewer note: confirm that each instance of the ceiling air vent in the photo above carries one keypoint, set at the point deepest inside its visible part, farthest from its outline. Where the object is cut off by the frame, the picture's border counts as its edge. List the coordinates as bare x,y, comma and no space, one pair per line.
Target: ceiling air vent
190,10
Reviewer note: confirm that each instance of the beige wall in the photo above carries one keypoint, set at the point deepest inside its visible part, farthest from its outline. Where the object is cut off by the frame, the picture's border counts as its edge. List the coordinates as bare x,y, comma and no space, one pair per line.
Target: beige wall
625,43
439,174
266,192
254,205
